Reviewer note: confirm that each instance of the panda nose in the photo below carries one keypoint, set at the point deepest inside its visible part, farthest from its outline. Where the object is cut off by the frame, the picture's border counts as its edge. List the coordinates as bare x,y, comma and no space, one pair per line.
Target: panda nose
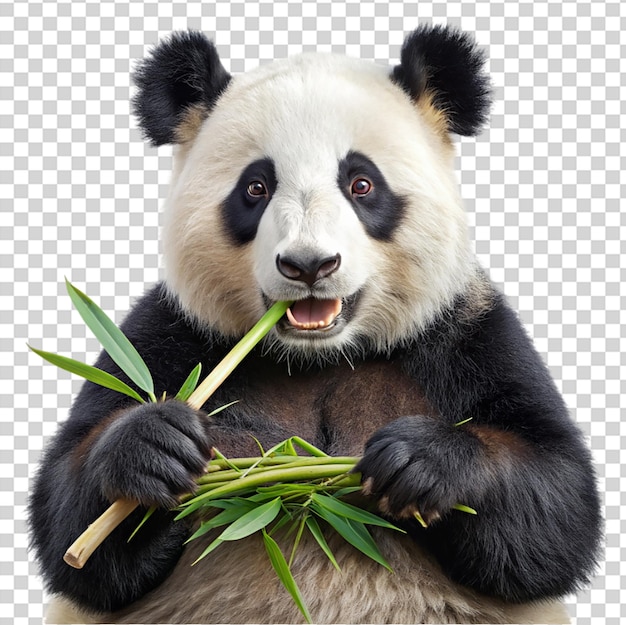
307,270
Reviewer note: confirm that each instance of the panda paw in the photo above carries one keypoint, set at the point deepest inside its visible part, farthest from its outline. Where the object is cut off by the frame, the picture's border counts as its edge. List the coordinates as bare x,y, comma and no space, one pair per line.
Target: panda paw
419,467
150,454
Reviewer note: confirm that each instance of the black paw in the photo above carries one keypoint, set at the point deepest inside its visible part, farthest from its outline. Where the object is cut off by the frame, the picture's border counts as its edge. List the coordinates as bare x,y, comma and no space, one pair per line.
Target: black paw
419,465
150,454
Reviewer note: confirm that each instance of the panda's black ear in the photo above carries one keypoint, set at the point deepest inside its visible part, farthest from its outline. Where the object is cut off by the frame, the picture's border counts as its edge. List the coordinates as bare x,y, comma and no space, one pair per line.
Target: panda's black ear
180,81
445,65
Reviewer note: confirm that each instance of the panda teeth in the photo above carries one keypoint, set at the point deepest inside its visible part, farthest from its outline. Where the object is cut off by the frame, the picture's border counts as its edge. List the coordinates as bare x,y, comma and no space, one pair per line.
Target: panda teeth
309,325
312,314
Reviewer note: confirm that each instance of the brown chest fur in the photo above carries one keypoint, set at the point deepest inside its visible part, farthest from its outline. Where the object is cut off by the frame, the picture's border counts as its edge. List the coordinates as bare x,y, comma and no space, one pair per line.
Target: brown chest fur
338,407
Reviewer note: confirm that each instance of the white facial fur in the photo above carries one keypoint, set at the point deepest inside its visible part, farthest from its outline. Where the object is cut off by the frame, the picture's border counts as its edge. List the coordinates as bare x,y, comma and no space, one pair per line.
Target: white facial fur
306,114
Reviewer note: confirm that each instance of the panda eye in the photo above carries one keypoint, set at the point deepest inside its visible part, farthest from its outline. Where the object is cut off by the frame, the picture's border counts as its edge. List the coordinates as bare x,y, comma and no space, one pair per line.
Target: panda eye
361,187
257,189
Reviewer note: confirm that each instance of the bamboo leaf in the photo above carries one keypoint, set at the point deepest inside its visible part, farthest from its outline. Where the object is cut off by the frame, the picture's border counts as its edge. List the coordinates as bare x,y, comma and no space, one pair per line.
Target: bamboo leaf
223,518
352,512
149,512
220,456
282,521
258,442
260,497
189,385
342,492
288,489
276,450
298,537
355,533
288,449
252,521
214,545
232,502
112,339
463,422
220,408
284,574
463,508
308,448
314,528
93,374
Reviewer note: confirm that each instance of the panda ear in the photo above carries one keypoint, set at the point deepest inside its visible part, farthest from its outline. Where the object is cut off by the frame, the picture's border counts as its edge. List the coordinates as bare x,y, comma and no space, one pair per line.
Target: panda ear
178,84
445,65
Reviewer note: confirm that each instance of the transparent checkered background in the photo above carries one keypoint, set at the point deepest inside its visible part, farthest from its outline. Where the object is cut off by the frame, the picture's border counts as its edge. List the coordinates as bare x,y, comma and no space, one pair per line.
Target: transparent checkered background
80,197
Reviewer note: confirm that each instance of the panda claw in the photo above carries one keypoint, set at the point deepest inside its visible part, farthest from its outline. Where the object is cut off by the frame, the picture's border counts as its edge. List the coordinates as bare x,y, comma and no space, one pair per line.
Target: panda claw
420,519
384,505
367,486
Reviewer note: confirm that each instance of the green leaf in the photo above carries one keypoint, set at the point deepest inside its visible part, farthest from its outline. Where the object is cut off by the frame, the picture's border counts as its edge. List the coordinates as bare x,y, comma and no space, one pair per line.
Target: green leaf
258,442
284,574
220,456
223,518
288,489
112,339
260,497
354,532
189,385
93,374
220,408
232,502
314,528
463,508
308,448
283,520
348,490
149,512
463,422
214,545
352,512
296,542
276,450
252,521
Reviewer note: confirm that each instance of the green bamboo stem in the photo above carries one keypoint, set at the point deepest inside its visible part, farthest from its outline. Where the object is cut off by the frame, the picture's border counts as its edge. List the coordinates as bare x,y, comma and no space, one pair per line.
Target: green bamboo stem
237,354
295,474
236,476
268,465
80,551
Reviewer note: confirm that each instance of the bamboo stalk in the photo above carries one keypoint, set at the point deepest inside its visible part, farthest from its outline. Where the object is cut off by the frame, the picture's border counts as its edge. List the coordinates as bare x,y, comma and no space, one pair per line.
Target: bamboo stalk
81,549
91,539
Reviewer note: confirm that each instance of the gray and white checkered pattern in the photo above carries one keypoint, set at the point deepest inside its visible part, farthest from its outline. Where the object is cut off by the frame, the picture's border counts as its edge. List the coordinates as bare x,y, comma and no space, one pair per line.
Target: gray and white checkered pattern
80,198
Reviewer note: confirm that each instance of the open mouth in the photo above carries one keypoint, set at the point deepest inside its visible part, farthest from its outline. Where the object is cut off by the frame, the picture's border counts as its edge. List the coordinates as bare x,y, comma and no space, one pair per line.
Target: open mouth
317,318
314,314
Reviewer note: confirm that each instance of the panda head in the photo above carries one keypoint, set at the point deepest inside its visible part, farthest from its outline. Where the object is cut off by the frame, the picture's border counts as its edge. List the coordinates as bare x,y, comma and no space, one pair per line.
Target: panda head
320,179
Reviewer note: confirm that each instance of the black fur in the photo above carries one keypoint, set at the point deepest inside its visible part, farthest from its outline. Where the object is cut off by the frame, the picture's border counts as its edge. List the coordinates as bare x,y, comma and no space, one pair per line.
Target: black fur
381,210
182,71
241,211
149,454
88,464
540,525
448,65
520,462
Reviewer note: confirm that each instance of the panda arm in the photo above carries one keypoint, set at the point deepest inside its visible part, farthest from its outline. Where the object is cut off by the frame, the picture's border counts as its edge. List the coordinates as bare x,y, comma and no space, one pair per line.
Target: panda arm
67,492
111,446
520,462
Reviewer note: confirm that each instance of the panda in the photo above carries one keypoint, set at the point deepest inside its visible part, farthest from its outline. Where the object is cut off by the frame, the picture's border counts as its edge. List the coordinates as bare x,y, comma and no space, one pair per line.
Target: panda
328,181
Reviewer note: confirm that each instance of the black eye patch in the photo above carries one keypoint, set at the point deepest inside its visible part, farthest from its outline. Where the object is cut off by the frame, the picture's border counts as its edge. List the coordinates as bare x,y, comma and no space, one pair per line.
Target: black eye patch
243,208
380,210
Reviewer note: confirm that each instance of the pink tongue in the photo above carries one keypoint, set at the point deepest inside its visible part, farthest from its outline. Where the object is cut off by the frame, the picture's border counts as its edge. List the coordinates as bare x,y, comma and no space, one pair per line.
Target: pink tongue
312,314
